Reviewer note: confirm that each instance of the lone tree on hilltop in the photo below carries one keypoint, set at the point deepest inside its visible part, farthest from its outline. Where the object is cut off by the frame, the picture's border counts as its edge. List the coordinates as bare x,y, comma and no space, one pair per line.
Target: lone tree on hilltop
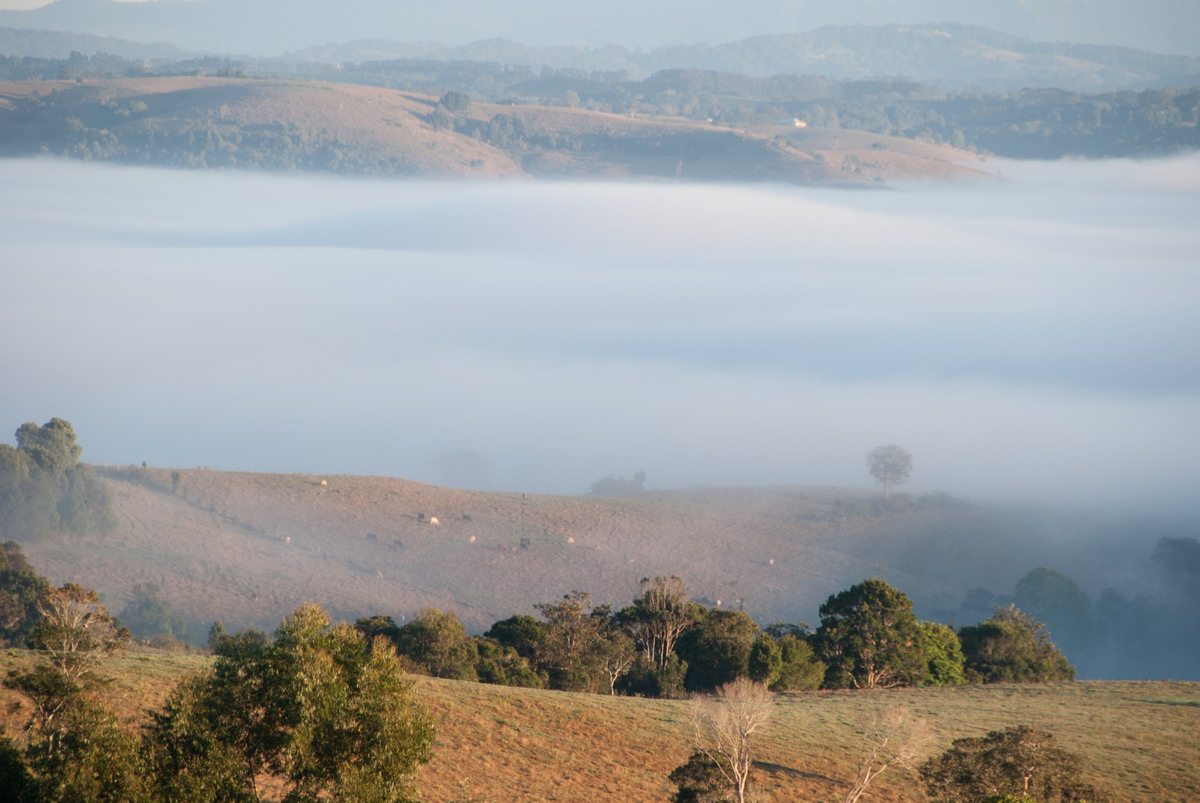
890,466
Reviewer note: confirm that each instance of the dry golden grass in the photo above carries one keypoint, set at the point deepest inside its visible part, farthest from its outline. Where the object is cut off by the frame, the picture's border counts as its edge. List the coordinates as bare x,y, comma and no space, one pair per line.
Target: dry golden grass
498,744
248,548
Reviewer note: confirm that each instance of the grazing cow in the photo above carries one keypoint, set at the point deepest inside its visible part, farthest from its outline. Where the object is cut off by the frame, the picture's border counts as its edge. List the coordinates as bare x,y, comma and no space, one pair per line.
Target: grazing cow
524,543
433,521
570,540
471,540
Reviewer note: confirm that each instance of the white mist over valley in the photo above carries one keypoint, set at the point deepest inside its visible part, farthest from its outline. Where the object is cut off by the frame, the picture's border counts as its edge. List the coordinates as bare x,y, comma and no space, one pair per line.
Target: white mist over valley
1028,336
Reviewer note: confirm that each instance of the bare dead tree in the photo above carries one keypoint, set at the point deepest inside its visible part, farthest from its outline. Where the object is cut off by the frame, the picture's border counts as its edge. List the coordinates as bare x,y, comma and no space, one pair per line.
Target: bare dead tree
890,737
724,724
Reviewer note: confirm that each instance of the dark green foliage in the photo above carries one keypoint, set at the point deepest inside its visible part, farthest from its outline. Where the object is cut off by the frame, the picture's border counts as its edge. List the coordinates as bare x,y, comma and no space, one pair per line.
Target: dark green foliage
870,638
504,666
15,779
717,649
319,711
148,615
44,489
766,660
1012,647
523,633
647,679
436,643
20,589
1019,763
800,669
374,626
700,780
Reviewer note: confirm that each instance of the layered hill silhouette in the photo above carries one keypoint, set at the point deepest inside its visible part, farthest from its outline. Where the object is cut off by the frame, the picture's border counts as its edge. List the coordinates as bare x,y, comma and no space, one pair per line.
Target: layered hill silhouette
247,548
216,122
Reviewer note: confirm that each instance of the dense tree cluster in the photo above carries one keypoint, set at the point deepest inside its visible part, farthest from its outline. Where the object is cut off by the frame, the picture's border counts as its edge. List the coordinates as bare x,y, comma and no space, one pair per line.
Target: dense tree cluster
44,489
666,645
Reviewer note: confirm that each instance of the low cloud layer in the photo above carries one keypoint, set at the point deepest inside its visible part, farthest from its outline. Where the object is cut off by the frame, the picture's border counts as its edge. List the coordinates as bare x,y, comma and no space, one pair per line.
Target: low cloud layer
1034,337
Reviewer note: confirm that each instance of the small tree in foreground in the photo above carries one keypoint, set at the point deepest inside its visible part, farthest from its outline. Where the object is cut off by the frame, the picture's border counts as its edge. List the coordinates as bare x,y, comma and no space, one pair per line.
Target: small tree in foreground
724,724
700,780
315,710
890,466
1015,763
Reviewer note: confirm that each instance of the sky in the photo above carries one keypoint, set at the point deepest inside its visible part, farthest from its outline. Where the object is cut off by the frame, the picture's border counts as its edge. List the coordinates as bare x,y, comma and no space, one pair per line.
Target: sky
269,27
1031,337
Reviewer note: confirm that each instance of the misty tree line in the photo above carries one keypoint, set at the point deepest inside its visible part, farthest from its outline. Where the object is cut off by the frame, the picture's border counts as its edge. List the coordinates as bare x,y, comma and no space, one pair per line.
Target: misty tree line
1025,123
1114,635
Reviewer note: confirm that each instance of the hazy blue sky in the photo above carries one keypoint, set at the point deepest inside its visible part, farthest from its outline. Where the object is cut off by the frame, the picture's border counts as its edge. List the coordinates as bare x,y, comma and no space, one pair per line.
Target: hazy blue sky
1034,337
267,27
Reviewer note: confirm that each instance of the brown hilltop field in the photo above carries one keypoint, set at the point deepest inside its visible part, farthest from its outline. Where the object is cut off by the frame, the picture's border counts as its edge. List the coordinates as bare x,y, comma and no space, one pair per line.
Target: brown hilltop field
232,122
1138,740
246,548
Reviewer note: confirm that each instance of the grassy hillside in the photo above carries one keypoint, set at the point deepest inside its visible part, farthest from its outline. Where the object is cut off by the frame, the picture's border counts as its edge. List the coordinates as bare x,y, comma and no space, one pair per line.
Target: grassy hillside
306,125
246,548
499,744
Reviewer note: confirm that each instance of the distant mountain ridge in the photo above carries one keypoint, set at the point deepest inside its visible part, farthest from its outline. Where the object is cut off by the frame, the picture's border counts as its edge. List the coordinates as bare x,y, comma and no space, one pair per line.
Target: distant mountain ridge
951,55
263,27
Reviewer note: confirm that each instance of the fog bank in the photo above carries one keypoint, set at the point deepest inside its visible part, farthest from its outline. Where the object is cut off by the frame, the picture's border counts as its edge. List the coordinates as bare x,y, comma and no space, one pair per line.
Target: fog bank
1029,337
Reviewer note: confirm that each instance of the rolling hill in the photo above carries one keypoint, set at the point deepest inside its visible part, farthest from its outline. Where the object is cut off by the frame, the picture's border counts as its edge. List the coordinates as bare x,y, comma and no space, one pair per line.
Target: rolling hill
247,548
223,122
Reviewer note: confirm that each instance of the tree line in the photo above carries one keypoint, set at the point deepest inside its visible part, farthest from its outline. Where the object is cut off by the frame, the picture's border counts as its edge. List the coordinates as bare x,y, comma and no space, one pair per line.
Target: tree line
317,711
664,644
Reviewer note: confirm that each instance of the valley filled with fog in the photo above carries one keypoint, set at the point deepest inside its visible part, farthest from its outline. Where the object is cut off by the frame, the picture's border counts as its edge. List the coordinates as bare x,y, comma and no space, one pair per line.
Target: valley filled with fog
1032,336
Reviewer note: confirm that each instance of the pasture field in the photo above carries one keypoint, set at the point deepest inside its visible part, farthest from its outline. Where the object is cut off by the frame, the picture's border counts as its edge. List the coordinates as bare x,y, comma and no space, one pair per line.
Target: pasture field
1140,740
